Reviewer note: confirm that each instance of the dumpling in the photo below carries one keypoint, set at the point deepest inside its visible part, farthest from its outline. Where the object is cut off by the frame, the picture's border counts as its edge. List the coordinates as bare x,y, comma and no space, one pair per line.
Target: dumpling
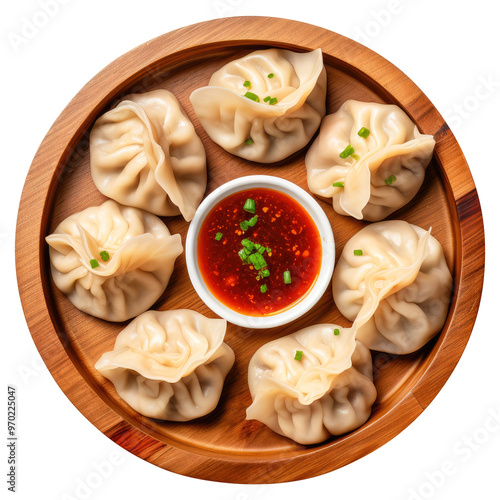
169,365
145,153
284,104
328,391
112,261
381,172
396,273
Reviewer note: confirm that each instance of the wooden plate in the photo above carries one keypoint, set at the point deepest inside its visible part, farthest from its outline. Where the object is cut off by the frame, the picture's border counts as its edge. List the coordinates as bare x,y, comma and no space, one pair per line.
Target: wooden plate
223,446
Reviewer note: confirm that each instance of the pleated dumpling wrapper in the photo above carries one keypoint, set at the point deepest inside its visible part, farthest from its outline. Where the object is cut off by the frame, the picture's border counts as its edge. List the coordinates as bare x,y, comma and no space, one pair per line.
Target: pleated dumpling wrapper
169,365
112,261
145,153
369,158
397,274
312,384
266,105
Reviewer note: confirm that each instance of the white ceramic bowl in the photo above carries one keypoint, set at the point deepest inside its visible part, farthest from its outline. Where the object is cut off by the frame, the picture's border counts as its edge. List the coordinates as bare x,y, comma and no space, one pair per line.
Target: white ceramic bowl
327,260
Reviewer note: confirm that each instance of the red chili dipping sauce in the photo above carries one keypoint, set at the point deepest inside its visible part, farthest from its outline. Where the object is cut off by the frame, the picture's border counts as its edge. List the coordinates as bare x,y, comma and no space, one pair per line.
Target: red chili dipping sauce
259,251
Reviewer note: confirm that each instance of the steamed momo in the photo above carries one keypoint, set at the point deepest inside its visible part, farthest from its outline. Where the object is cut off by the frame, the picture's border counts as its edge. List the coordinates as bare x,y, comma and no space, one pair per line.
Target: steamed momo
328,392
264,131
391,164
141,251
145,153
401,282
169,365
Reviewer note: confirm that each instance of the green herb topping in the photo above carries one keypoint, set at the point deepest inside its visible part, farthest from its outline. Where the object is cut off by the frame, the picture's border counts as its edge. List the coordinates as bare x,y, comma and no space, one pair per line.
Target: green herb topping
247,84
218,236
270,75
104,256
249,206
390,180
253,221
94,263
287,277
244,225
363,132
348,151
298,355
263,288
338,184
358,252
252,96
249,142
336,331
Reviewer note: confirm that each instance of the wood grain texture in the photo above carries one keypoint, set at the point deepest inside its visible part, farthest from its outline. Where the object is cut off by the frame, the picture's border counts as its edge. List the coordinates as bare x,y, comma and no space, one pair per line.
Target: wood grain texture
223,446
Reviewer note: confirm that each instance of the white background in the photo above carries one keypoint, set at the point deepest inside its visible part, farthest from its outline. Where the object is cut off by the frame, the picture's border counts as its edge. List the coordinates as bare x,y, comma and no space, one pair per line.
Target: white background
449,49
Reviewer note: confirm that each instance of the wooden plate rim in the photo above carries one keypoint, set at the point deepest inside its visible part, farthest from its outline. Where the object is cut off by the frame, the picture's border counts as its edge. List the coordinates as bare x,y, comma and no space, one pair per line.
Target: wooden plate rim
41,184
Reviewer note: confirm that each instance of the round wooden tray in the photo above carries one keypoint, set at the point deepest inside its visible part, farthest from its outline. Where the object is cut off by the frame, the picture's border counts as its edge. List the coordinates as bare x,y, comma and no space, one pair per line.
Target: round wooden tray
223,446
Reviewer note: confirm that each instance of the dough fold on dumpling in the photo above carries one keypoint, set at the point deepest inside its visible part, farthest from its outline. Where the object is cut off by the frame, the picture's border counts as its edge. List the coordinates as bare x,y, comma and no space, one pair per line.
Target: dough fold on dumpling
169,365
329,391
145,153
391,165
400,286
142,254
260,131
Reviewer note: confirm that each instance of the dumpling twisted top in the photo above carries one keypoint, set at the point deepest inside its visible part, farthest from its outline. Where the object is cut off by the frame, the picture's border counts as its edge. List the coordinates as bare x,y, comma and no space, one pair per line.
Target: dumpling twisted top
260,129
389,167
145,153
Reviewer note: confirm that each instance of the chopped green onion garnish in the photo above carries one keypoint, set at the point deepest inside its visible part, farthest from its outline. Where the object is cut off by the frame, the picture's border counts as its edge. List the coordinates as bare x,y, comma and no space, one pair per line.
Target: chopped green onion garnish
358,252
248,244
261,260
263,273
94,263
268,250
257,260
355,156
338,184
270,75
390,180
260,248
298,355
363,132
252,96
273,100
348,151
218,236
268,98
104,256
248,223
243,255
249,206
249,142
336,331
251,254
263,288
247,84
252,260
252,221
287,277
